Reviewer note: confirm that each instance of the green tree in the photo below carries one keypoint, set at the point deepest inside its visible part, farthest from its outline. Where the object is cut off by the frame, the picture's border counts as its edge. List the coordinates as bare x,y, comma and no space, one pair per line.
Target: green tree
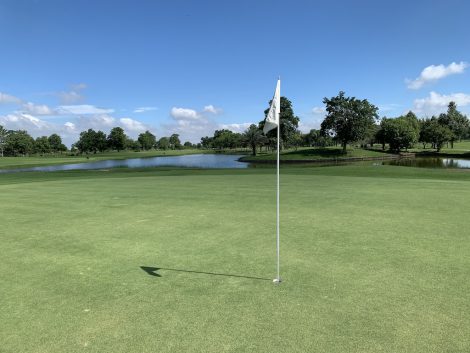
348,119
188,144
164,143
19,143
132,144
42,145
401,132
91,141
55,142
254,137
175,142
147,140
289,122
117,139
435,133
455,121
3,139
207,142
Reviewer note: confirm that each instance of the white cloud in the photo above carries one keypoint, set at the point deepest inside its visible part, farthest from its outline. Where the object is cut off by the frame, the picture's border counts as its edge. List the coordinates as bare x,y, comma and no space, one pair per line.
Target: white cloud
184,114
211,109
437,103
235,127
144,109
37,109
318,110
7,99
82,109
132,125
74,95
436,72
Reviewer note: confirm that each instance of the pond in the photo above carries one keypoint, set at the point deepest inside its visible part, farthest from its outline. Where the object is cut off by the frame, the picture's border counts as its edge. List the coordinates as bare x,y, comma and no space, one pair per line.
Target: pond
189,161
431,162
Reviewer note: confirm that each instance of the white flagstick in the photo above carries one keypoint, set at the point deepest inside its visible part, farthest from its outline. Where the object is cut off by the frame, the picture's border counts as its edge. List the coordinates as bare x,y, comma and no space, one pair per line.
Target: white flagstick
277,280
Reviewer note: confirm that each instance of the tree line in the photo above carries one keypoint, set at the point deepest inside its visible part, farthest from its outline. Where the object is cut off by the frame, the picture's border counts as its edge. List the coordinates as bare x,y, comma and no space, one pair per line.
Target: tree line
348,121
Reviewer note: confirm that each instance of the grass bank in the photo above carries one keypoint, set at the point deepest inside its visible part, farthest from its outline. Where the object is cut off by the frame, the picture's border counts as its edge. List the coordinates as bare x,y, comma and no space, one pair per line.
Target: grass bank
373,259
306,154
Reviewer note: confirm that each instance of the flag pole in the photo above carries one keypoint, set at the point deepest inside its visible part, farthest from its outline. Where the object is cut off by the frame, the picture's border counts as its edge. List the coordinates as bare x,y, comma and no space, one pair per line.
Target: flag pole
277,280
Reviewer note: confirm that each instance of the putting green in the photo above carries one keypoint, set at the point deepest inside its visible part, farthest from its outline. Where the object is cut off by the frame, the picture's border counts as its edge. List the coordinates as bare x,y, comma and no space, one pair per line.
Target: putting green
374,259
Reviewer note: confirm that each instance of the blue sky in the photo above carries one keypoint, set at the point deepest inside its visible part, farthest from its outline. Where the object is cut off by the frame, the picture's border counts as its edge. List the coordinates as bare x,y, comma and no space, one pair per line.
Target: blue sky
190,67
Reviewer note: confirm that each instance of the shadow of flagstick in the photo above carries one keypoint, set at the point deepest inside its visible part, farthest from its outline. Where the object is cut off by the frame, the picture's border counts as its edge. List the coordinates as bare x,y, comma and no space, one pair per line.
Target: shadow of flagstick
152,272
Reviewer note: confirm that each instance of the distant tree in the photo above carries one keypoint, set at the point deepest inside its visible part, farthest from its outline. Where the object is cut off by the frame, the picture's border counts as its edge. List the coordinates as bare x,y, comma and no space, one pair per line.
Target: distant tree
226,139
348,119
91,141
147,140
295,140
42,145
175,142
254,137
455,121
289,122
400,133
19,143
438,134
188,144
55,141
132,145
164,143
3,139
207,142
116,139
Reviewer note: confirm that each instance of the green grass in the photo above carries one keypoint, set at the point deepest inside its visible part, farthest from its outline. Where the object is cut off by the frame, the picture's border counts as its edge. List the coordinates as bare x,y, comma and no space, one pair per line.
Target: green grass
374,259
310,153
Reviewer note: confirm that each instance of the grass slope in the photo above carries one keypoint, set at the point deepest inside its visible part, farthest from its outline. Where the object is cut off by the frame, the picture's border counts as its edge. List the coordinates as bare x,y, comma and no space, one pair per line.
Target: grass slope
375,259
310,153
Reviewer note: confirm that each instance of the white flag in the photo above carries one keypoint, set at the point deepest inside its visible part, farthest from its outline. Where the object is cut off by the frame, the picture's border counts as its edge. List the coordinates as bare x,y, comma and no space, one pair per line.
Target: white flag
272,119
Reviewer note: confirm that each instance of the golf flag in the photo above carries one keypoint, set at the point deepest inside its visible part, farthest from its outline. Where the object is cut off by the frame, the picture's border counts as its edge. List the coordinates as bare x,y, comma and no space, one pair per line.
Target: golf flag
272,119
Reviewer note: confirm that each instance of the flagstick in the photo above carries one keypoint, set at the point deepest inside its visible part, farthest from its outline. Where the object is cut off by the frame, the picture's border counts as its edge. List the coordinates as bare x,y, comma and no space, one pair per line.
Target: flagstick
277,280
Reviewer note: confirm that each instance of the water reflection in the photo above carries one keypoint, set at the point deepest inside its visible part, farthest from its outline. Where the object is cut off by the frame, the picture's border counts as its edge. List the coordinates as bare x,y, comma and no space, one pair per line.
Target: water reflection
431,162
189,161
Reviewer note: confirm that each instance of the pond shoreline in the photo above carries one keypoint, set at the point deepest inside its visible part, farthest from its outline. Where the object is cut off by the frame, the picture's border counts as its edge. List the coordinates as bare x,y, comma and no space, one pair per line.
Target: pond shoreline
323,160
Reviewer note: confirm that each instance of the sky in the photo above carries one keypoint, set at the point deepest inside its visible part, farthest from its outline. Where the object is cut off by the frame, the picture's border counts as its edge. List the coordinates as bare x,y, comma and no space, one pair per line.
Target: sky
191,67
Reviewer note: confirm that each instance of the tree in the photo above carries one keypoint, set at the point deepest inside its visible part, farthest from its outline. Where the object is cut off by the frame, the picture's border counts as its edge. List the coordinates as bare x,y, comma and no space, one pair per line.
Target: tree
42,145
455,121
289,122
147,140
188,144
19,143
175,142
164,143
348,119
3,139
435,133
132,144
91,141
117,139
55,142
207,142
254,137
401,132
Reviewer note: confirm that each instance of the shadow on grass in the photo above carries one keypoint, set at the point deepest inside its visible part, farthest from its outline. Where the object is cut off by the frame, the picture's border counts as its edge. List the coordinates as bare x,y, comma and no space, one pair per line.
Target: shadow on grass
152,271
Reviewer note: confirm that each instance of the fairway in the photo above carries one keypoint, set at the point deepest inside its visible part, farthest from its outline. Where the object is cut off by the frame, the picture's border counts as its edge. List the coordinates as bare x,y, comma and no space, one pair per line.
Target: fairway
374,259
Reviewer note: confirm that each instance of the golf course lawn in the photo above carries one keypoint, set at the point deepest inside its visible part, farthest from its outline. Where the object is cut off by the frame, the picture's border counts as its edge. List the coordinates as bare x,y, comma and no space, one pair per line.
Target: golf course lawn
374,259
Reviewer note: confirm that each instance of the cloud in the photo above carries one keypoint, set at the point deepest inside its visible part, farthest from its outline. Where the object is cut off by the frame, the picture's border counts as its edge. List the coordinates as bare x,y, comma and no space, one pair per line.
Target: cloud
184,114
132,125
9,99
82,109
433,73
235,127
211,109
437,103
38,109
74,95
144,109
318,110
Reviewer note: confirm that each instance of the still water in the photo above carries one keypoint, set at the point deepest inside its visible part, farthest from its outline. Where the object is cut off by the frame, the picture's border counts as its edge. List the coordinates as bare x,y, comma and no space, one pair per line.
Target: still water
190,161
431,162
